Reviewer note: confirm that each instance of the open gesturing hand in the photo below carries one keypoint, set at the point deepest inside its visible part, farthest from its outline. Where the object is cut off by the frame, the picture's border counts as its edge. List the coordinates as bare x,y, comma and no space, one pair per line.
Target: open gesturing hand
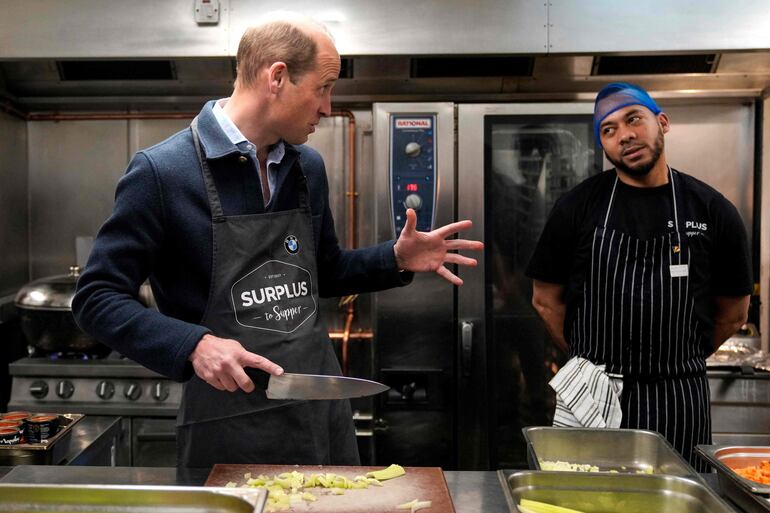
429,251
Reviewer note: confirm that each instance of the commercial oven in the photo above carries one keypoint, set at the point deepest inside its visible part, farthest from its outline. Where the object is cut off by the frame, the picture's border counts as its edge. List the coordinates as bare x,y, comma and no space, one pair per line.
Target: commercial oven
468,367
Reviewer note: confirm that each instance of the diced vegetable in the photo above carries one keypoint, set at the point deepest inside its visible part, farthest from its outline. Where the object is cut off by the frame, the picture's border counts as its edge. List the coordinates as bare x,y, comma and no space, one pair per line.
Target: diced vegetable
414,505
757,473
530,506
586,467
387,473
567,466
288,488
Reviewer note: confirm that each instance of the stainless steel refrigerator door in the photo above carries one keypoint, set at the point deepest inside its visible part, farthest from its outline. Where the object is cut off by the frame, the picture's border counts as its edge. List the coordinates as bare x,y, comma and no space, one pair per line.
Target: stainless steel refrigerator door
514,160
415,329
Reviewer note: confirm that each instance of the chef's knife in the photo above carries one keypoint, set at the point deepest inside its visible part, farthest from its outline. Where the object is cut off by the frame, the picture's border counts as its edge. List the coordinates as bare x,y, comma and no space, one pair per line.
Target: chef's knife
313,386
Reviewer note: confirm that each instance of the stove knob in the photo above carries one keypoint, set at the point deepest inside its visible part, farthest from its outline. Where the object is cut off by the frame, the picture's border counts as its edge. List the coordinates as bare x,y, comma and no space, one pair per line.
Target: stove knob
38,389
105,390
160,391
65,389
133,391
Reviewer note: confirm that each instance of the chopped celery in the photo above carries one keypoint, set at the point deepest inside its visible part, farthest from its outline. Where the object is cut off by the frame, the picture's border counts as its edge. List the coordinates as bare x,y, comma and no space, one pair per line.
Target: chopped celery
543,507
387,473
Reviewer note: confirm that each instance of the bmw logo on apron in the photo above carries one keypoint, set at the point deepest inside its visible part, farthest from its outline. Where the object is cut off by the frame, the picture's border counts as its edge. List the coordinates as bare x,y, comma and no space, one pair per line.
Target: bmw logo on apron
291,244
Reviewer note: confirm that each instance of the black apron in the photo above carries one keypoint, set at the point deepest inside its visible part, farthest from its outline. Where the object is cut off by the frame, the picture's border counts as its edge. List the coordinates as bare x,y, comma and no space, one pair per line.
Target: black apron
264,294
637,317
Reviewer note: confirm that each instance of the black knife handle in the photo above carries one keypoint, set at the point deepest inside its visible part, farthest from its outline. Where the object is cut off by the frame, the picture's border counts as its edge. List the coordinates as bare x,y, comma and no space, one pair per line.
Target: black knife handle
258,376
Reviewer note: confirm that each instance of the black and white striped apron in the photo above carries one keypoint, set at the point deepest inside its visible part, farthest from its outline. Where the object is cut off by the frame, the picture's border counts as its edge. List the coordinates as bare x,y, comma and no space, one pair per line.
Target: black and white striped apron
636,317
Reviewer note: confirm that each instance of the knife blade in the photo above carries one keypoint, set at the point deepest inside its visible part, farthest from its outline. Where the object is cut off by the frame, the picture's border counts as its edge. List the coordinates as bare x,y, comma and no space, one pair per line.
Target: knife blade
318,387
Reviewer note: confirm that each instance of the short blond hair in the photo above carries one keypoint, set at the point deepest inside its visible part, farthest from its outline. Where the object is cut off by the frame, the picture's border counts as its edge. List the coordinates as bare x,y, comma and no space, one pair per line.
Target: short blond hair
284,37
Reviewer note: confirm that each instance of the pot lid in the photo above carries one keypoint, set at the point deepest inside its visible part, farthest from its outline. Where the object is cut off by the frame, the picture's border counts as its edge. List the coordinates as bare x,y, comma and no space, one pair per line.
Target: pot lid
50,293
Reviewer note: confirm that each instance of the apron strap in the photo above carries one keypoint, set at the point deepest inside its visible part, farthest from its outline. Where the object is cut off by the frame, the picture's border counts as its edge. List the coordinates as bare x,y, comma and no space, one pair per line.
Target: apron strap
674,194
677,193
302,189
217,214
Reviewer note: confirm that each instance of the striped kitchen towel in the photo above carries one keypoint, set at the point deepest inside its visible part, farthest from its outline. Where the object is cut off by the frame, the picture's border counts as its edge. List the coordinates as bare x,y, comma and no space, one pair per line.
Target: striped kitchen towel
586,396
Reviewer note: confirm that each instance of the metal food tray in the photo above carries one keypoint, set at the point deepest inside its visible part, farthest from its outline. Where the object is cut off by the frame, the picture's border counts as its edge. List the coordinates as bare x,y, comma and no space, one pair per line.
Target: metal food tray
618,450
45,452
753,497
610,493
130,499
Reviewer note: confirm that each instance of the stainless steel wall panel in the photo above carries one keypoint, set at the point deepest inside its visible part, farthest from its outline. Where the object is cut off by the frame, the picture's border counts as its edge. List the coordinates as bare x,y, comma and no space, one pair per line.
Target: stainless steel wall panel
14,220
715,143
95,28
657,25
330,141
143,133
145,28
73,169
397,27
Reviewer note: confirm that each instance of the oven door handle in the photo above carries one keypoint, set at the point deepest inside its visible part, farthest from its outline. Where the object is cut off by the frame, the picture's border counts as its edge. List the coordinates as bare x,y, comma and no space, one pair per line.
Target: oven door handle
466,343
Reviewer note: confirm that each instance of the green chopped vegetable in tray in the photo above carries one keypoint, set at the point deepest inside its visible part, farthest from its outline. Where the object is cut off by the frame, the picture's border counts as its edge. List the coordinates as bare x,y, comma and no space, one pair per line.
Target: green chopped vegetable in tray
528,506
566,466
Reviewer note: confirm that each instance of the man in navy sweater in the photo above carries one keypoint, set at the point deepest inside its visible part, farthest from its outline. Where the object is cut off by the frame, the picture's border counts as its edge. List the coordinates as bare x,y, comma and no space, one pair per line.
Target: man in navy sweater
230,221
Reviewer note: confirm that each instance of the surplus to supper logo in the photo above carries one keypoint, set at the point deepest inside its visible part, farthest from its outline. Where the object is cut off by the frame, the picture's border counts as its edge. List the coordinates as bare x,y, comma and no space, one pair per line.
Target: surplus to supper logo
276,296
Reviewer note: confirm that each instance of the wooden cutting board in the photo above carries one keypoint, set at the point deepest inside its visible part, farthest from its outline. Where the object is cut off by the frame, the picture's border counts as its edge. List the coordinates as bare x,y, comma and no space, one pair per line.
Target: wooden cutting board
422,483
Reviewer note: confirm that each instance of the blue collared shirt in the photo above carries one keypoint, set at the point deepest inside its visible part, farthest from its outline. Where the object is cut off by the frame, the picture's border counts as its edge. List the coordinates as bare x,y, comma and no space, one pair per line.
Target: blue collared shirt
238,139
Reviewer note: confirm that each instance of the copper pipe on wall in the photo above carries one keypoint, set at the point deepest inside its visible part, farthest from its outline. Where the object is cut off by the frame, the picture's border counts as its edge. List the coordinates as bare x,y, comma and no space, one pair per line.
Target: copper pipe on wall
351,194
109,116
350,232
354,335
8,107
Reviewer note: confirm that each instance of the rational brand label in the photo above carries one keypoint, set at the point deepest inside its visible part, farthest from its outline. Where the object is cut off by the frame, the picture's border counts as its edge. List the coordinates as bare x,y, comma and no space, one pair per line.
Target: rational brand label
276,296
414,123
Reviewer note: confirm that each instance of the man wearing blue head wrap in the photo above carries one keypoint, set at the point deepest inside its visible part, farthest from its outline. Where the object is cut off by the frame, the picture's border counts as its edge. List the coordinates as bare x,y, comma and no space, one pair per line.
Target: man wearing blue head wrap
641,272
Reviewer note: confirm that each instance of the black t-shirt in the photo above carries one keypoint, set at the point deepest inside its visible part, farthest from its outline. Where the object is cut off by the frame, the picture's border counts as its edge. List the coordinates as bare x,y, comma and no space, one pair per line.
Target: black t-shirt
721,263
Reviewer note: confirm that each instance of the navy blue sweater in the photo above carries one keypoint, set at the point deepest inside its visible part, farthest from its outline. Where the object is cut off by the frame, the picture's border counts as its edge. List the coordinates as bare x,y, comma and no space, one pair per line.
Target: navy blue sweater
161,228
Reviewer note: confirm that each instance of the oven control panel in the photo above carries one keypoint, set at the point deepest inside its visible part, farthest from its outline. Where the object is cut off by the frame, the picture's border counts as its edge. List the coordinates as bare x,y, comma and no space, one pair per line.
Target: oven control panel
413,169
96,395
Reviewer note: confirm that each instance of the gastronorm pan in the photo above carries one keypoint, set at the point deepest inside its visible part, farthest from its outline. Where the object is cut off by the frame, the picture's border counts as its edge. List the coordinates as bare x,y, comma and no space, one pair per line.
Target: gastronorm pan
129,499
619,450
750,495
611,493
47,452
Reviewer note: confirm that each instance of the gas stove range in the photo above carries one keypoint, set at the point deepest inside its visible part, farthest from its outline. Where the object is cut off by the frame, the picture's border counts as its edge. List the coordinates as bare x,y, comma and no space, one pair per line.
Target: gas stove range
109,386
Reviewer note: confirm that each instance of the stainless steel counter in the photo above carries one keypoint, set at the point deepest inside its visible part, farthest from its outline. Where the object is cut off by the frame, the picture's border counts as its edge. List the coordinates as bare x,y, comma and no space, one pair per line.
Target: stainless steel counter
471,491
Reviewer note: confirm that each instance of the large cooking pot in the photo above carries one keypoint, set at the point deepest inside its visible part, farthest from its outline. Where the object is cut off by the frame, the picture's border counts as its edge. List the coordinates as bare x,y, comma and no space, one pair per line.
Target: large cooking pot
45,308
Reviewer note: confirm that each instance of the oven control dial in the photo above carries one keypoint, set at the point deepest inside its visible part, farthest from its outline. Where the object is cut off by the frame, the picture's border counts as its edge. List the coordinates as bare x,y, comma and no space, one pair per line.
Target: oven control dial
133,391
160,391
65,389
412,149
105,390
413,201
38,389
